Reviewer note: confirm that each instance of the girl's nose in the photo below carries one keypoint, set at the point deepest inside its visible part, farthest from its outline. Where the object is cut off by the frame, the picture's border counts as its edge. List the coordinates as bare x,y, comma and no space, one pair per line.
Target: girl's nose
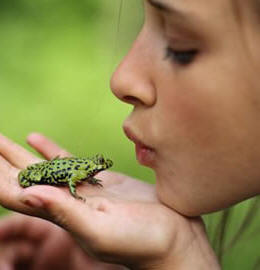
132,81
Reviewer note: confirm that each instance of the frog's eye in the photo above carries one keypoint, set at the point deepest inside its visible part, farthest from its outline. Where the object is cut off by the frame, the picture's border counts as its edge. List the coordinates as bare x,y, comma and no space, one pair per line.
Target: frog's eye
100,159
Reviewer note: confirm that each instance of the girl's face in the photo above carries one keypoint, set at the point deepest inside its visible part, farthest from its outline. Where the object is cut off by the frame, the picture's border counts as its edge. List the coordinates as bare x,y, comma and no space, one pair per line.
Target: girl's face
193,77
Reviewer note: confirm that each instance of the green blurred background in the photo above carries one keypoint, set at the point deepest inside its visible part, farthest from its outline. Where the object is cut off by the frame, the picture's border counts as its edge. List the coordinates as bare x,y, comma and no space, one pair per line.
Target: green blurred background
56,59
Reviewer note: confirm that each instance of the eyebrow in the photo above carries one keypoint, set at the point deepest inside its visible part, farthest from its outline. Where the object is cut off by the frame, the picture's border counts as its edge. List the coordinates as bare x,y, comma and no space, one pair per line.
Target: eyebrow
183,17
160,6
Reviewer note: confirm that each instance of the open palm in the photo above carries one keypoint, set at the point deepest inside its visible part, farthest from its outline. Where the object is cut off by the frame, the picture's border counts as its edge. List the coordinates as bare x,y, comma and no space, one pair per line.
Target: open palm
122,223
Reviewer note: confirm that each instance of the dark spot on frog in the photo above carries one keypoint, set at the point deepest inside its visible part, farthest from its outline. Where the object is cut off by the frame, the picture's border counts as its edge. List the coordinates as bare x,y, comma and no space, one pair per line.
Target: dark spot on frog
76,167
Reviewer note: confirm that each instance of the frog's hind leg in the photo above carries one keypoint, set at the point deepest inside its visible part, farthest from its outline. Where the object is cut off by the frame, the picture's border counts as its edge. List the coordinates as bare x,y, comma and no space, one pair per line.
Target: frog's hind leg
72,182
72,188
94,181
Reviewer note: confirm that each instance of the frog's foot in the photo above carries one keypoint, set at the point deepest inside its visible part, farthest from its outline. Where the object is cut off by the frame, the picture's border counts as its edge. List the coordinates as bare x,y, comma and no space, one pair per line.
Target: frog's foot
80,198
72,188
94,181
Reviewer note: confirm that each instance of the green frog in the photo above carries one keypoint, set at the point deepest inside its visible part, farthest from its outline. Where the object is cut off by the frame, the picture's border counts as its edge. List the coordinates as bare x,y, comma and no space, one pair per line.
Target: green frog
67,171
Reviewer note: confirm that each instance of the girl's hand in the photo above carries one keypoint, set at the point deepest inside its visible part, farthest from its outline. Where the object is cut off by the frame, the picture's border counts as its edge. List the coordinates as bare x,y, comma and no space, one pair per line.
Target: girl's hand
121,223
34,244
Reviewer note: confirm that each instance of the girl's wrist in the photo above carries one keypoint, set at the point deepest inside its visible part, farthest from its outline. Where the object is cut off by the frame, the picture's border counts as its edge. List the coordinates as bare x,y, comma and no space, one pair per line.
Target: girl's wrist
197,260
196,254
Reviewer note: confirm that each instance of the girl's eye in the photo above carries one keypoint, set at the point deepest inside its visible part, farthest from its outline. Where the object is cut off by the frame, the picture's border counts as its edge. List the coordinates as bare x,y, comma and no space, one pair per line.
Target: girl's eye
180,57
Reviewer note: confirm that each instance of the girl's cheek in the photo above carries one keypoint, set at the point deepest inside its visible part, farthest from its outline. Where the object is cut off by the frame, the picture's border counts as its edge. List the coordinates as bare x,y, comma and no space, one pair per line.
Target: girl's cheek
206,111
191,116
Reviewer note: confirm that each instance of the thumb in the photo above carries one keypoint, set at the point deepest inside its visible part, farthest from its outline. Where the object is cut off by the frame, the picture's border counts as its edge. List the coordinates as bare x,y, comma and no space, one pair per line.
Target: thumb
61,208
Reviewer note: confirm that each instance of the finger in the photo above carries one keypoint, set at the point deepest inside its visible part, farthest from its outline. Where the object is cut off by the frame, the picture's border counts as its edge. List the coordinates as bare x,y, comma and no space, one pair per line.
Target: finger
4,265
9,226
46,147
58,247
18,226
16,154
5,166
10,188
16,252
61,208
10,191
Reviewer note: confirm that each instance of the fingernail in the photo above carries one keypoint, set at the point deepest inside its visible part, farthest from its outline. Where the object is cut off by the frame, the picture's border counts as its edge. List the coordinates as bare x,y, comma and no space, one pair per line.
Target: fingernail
32,201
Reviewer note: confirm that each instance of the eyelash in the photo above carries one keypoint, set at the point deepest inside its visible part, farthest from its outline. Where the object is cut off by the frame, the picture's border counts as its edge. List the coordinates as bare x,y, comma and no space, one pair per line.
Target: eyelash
183,58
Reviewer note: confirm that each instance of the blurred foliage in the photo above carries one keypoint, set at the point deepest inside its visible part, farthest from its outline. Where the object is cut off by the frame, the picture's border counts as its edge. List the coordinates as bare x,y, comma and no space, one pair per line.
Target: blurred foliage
55,69
56,60
27,9
235,235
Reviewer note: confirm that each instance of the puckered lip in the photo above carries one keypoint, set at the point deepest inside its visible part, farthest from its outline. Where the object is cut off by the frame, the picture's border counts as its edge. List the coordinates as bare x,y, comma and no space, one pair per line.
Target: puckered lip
132,137
144,153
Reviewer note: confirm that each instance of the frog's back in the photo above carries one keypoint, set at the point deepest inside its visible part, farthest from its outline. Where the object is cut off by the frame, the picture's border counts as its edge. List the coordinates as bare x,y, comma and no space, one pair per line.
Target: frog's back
69,163
53,172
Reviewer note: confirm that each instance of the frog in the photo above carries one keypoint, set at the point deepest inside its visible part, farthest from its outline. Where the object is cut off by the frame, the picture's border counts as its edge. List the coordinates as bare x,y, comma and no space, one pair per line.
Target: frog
67,171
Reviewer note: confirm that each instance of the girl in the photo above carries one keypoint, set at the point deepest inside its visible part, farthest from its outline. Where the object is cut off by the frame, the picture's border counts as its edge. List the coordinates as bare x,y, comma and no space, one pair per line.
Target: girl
192,78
